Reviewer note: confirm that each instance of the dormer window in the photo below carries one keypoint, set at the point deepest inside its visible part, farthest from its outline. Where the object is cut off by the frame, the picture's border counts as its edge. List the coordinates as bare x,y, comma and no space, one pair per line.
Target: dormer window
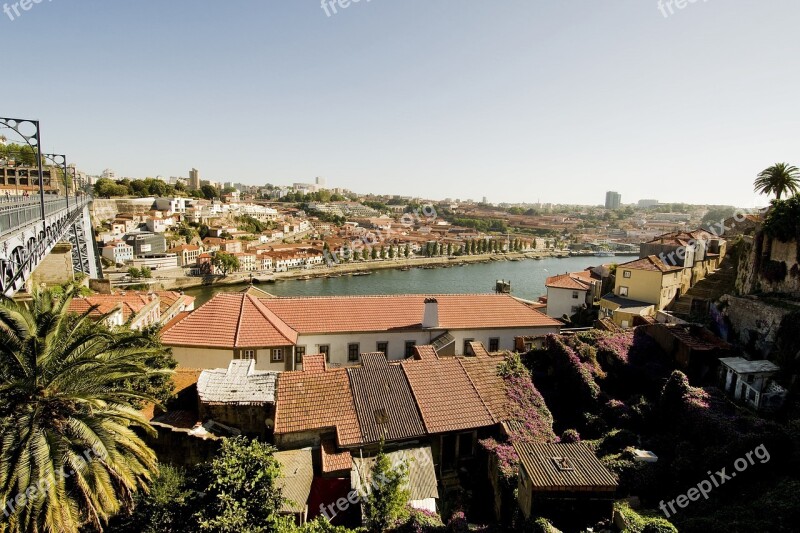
381,416
563,464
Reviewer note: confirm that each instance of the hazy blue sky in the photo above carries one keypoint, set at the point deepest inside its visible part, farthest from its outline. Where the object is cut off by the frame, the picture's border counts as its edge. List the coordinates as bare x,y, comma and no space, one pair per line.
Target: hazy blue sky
558,100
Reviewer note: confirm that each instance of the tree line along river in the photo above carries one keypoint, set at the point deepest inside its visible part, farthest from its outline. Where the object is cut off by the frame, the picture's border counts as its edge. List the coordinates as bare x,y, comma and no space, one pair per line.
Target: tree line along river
527,279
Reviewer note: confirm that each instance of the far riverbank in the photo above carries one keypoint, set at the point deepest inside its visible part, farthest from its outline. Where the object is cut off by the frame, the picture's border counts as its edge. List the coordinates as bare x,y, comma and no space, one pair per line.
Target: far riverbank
358,267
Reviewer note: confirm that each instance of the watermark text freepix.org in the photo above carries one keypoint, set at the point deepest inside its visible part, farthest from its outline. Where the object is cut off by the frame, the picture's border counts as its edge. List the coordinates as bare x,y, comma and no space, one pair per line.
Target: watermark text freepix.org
668,7
715,480
15,10
40,489
330,6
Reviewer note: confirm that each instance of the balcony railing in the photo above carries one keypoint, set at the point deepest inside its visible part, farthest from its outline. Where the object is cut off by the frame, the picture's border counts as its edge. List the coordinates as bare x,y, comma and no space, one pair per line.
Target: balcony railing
17,212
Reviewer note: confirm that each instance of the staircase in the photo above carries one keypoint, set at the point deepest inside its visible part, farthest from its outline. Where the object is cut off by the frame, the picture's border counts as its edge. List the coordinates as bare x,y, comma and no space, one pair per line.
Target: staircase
697,299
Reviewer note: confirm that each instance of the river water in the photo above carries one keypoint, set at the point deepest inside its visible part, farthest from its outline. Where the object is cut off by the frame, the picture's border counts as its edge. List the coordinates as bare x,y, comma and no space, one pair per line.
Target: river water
527,279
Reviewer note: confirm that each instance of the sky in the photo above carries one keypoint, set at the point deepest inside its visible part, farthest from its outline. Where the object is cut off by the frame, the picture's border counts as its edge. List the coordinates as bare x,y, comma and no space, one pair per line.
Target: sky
512,100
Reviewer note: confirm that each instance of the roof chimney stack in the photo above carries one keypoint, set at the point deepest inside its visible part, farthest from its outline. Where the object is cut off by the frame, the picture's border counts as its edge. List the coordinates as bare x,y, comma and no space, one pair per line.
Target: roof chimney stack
431,318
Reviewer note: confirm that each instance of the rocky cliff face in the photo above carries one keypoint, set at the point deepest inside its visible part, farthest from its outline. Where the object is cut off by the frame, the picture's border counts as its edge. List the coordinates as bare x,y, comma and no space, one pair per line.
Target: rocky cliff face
107,209
768,266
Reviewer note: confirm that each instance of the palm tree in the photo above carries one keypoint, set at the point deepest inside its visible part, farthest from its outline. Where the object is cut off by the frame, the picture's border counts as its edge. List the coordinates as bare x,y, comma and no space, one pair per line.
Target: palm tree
779,178
69,457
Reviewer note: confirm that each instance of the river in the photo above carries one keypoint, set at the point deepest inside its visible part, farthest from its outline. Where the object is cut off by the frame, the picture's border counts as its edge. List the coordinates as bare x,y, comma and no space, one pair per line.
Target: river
527,279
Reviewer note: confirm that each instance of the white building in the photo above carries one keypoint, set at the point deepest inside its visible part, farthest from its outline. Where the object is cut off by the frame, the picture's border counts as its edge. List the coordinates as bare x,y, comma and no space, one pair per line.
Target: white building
278,332
118,252
567,293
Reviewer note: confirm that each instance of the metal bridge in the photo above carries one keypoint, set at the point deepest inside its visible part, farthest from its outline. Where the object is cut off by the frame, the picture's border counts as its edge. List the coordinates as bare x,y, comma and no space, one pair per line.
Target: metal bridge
26,238
30,227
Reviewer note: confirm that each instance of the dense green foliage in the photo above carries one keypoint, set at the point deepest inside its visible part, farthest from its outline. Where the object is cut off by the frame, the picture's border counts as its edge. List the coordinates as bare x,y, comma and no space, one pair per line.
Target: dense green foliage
225,262
385,505
66,416
241,495
106,188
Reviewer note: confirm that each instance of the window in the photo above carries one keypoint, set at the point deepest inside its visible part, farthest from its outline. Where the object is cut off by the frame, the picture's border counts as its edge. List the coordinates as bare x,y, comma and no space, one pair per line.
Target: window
299,353
623,291
353,352
467,348
277,355
325,350
563,464
383,347
494,344
626,273
410,348
575,295
247,354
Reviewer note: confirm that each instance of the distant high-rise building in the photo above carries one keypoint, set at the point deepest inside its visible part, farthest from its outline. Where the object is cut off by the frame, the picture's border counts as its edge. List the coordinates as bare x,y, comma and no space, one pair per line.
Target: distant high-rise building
321,182
194,179
109,174
485,201
644,204
613,200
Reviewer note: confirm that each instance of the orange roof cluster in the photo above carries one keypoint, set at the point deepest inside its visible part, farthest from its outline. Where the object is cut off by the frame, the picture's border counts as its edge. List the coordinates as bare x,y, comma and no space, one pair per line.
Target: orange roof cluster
424,396
650,263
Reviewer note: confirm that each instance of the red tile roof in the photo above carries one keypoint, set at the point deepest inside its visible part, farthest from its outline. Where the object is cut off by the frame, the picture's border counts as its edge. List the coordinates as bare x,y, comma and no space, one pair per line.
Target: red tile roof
333,460
446,397
313,400
482,372
425,352
131,303
243,320
650,263
230,320
569,281
384,313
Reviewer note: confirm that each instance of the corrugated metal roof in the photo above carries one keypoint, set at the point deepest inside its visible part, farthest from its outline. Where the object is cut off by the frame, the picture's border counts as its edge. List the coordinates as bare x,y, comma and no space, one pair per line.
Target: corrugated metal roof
421,473
562,466
239,384
384,404
297,474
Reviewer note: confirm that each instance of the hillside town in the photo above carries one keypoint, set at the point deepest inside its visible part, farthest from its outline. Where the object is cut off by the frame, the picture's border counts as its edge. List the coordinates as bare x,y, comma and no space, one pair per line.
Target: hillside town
400,267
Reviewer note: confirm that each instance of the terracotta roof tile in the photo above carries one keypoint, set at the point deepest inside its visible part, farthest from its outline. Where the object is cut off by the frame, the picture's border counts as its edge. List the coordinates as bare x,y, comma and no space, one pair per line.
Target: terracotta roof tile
482,371
445,395
334,460
314,400
650,263
243,320
425,352
230,321
568,281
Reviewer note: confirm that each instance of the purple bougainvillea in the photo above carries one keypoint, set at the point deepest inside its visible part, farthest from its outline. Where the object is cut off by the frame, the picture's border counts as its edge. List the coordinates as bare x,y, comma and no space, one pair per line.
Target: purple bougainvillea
529,421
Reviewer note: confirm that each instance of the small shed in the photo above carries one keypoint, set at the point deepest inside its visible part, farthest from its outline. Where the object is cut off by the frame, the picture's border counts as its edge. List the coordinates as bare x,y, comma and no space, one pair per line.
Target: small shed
239,396
751,382
564,482
297,475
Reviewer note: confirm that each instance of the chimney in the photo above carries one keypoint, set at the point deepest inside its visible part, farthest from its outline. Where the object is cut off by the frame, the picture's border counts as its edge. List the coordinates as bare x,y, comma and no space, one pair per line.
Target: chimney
431,317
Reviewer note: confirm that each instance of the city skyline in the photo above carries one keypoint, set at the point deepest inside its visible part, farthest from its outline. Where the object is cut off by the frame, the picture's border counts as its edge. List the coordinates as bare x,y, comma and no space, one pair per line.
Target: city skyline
506,101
